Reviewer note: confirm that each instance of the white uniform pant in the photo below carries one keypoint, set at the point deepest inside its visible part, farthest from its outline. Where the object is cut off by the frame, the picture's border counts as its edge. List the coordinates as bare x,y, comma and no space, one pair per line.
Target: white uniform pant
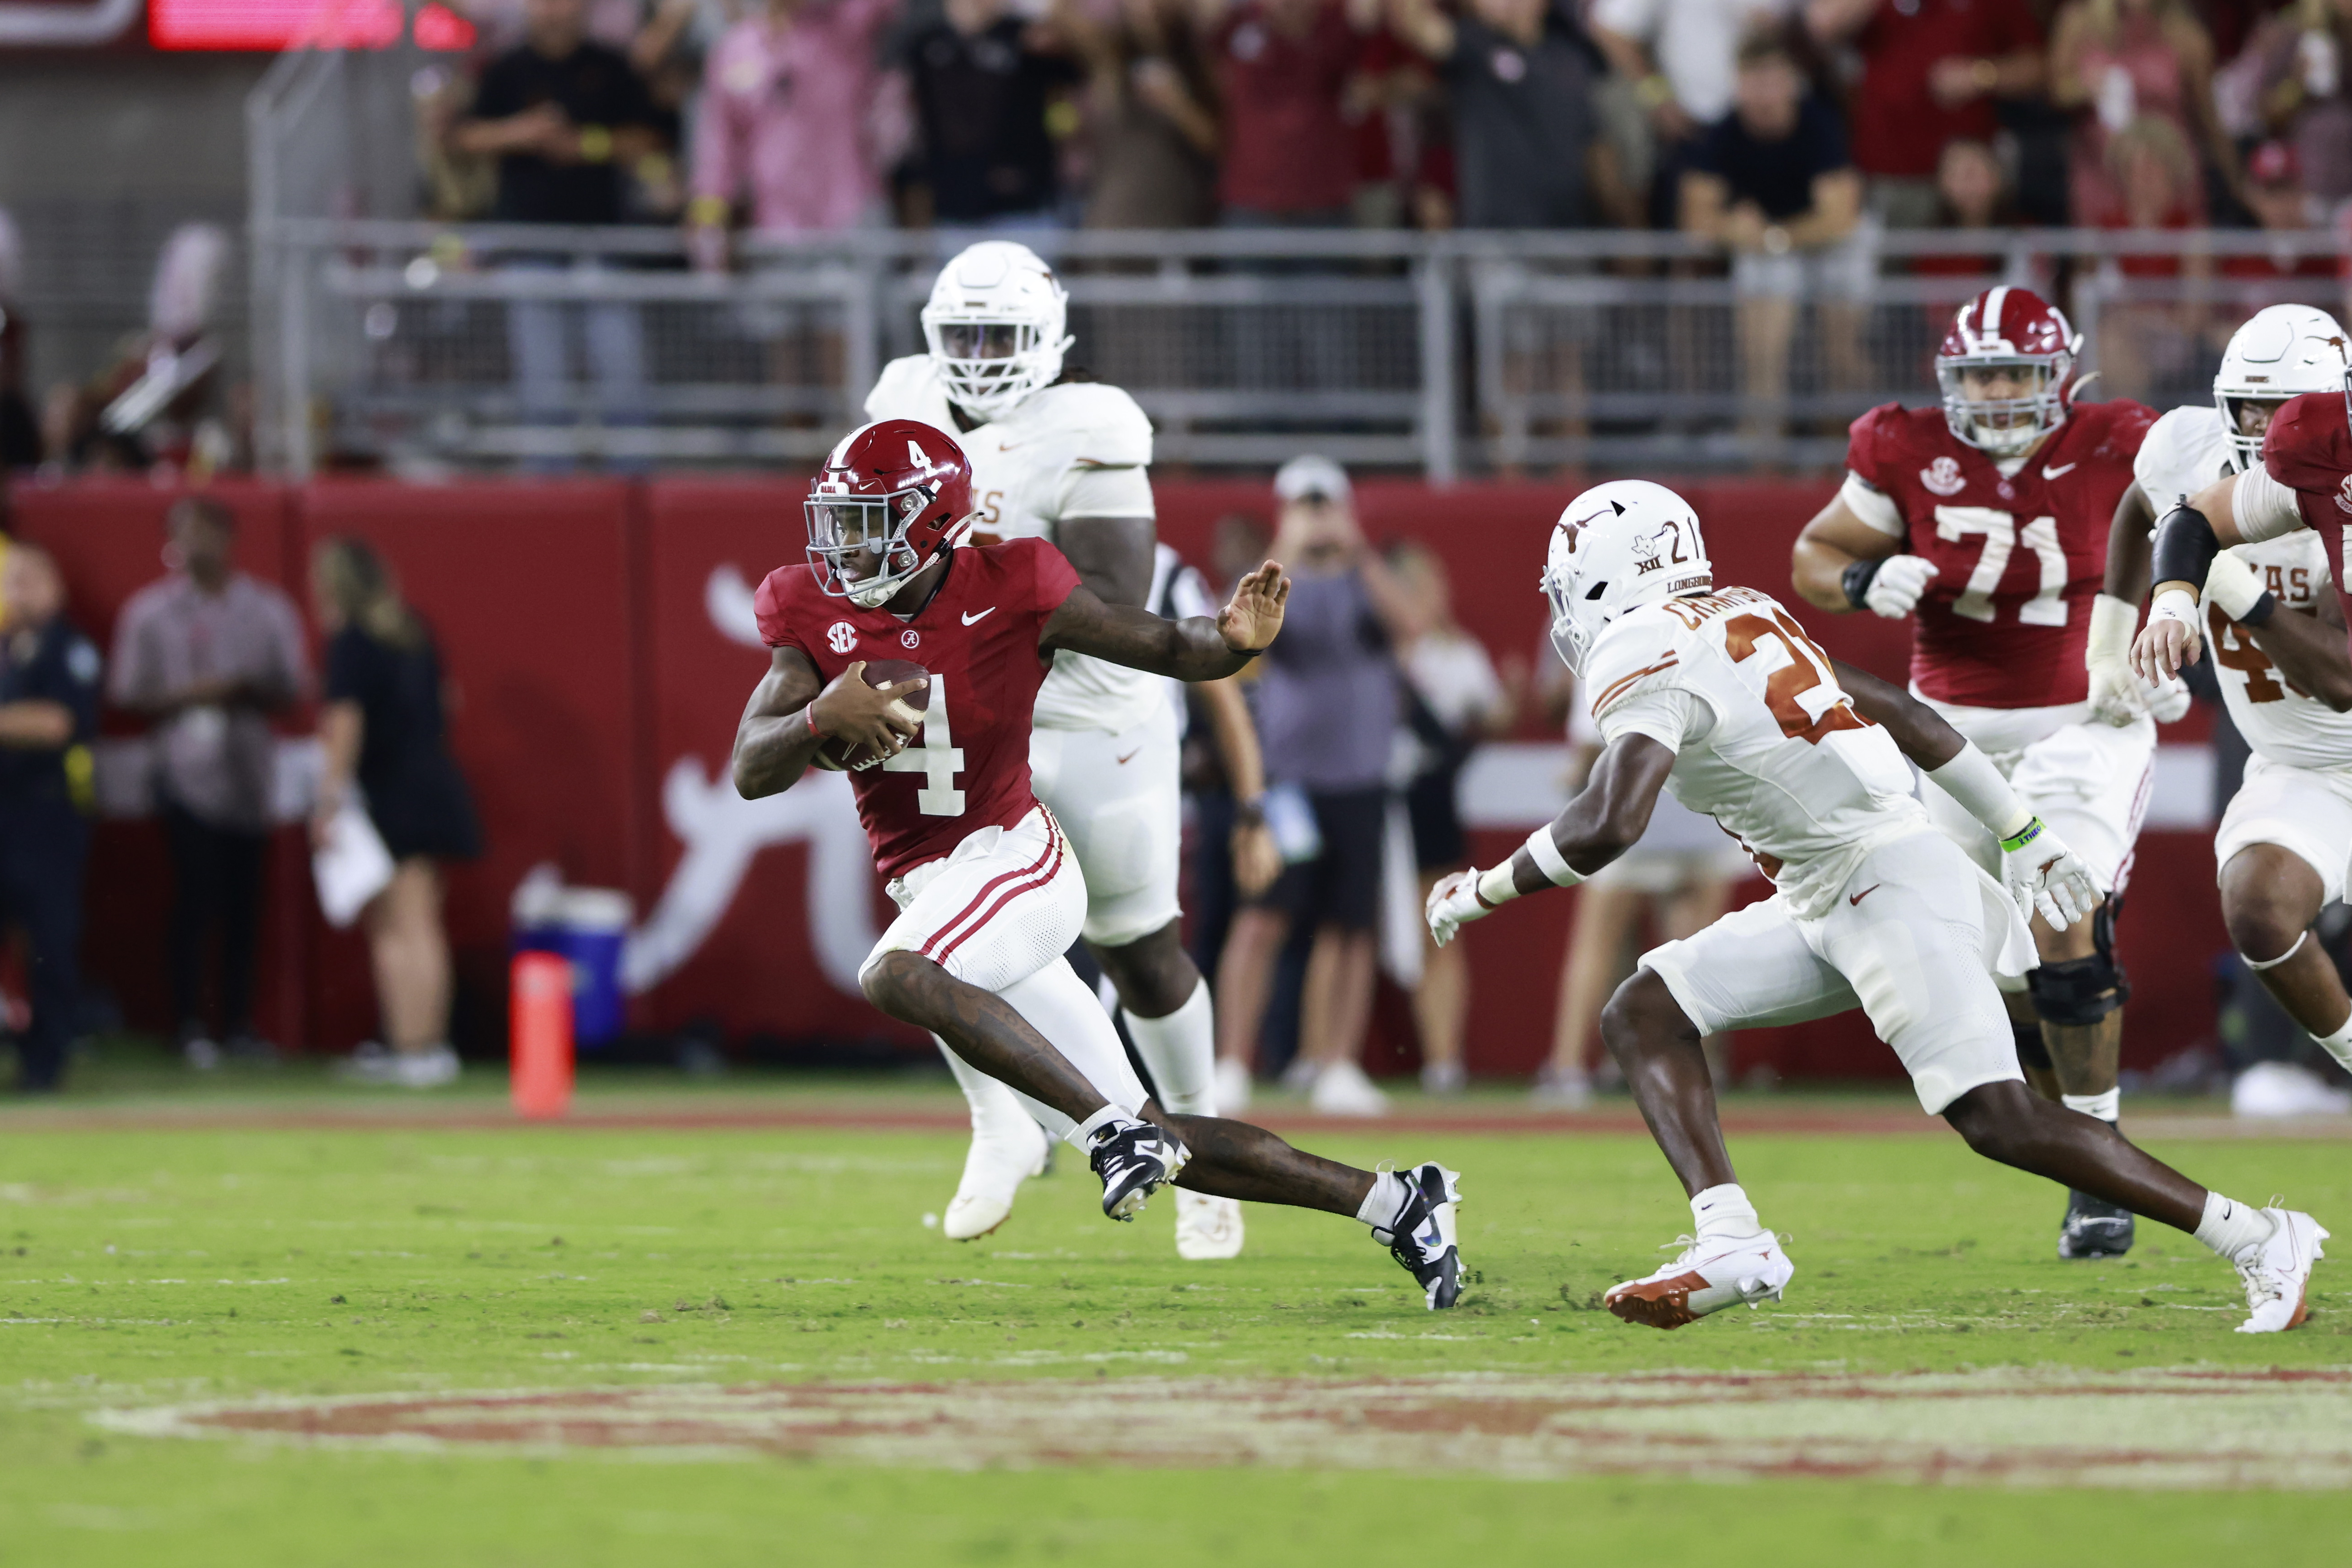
2305,811
999,912
1118,797
2089,782
1913,939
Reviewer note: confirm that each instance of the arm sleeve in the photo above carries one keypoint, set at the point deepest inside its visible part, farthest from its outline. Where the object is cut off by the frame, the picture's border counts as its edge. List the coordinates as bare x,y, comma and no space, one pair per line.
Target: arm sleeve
1055,578
1674,716
1090,491
2265,508
1864,491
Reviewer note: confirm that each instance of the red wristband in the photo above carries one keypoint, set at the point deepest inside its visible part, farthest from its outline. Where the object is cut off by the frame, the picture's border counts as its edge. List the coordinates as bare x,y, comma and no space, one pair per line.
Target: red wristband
811,711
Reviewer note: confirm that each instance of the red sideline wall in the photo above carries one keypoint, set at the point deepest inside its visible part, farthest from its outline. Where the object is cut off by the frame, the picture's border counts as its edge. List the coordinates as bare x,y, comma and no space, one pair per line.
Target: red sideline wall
592,678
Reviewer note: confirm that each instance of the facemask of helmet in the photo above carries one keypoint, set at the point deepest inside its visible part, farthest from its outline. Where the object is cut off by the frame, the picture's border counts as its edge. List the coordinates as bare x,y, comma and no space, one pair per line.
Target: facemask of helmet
841,527
996,328
2002,427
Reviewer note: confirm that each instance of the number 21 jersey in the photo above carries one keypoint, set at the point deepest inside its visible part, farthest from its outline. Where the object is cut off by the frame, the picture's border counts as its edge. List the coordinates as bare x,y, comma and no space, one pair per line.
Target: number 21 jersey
2018,557
968,767
1765,739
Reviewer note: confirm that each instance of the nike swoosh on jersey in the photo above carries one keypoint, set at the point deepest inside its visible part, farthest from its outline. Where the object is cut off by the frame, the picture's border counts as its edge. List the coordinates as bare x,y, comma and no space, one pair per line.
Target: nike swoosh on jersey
1131,756
1865,893
982,617
2050,473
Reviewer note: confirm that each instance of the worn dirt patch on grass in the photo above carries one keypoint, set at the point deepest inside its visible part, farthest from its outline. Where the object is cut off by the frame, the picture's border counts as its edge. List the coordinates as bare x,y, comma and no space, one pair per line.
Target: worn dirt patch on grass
2154,1429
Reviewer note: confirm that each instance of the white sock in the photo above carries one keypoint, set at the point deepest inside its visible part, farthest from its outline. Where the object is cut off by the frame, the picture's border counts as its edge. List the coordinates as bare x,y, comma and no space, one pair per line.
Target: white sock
2339,1043
2232,1228
1724,1213
1181,1050
1385,1202
1082,1136
2108,1107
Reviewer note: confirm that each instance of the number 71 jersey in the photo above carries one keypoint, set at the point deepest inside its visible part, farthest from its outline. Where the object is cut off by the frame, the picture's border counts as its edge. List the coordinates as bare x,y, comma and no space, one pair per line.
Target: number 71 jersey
2018,557
1765,741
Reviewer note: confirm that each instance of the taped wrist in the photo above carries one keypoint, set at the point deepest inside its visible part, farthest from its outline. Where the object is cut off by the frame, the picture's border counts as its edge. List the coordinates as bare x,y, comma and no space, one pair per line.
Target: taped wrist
2185,546
1856,580
1971,779
1549,860
2112,622
1495,886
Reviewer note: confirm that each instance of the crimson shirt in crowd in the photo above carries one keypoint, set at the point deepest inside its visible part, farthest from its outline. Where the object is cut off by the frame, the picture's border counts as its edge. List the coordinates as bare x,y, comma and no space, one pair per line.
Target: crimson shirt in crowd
1287,149
1898,128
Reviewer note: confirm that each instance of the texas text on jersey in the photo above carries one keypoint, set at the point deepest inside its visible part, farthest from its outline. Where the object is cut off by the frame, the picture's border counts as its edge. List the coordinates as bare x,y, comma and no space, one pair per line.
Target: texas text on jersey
2309,450
2019,557
978,638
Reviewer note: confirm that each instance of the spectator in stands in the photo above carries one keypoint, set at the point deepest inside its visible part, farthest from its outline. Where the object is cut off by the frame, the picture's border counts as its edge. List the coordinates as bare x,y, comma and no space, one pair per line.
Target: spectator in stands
1681,57
1527,152
787,123
1287,68
209,654
1327,712
1154,103
20,428
2114,63
2156,174
2281,202
382,728
2306,86
48,712
1931,70
1972,196
1454,701
565,115
985,84
1771,183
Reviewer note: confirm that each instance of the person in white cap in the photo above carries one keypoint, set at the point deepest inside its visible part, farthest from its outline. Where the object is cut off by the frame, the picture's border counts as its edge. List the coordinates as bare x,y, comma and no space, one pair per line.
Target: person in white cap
1058,456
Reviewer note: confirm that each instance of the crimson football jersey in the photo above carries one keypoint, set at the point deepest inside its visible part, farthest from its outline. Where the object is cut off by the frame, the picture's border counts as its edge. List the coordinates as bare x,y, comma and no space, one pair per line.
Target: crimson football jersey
968,766
2005,620
2309,450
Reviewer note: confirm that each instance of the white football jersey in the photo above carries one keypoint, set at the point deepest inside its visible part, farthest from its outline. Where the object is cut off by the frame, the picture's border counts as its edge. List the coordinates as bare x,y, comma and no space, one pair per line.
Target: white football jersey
1765,739
2185,451
1071,450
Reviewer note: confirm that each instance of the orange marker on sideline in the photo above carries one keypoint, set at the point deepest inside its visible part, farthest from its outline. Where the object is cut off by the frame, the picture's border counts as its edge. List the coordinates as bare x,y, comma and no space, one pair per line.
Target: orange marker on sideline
540,1044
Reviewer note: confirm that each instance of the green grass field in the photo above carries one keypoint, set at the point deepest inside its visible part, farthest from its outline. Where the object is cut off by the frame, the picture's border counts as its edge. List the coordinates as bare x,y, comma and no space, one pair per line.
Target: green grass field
239,1250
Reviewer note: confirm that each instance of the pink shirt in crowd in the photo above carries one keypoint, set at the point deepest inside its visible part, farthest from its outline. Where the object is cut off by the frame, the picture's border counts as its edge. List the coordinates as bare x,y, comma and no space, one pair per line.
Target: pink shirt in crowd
787,116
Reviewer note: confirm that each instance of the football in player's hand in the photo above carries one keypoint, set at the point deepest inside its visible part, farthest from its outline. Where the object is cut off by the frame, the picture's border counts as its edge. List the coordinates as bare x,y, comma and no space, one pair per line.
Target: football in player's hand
840,755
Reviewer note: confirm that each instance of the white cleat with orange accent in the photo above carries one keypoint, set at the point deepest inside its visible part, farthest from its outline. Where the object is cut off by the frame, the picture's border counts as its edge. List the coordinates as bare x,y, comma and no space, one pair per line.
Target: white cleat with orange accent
1708,1277
2278,1273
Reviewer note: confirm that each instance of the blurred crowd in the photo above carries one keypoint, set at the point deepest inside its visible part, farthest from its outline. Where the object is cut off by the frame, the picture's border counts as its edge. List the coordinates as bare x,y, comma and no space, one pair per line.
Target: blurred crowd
1774,127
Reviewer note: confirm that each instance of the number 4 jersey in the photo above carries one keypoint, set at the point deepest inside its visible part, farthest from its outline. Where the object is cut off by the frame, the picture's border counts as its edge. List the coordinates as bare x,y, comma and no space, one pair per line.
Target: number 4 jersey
1765,741
967,768
2019,556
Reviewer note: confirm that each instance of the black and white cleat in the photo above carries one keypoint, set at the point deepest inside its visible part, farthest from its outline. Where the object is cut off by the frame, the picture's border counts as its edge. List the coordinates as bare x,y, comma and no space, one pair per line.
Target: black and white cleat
1135,1160
1424,1241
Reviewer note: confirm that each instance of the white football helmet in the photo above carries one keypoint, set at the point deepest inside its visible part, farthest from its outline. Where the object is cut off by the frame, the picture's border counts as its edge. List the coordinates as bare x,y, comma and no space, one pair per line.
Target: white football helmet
996,326
2281,353
1619,545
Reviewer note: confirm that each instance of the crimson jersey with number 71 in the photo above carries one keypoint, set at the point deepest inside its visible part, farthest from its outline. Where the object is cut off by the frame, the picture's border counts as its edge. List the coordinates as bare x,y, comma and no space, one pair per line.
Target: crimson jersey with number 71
968,767
2018,557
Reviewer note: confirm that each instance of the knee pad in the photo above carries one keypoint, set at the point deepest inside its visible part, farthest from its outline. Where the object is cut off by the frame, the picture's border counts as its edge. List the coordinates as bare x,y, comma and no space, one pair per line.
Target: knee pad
2077,991
2032,1052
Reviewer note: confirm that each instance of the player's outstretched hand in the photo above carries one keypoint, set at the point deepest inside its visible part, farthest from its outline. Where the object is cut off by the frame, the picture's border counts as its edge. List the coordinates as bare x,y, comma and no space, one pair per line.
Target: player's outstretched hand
1454,903
1254,614
1895,590
868,716
2169,640
2046,878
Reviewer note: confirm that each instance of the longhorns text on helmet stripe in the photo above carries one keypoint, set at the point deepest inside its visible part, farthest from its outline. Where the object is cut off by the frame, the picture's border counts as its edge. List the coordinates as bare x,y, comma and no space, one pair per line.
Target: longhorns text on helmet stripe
1619,545
2013,331
997,327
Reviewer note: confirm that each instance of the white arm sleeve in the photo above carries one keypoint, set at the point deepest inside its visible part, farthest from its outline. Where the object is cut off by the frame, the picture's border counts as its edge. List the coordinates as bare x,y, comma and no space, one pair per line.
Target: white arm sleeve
1871,504
1088,491
1670,715
2264,508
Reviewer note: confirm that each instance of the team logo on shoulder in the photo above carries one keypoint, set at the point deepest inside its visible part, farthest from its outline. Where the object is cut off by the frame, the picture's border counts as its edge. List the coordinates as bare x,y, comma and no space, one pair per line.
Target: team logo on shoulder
2343,495
840,636
909,638
1944,476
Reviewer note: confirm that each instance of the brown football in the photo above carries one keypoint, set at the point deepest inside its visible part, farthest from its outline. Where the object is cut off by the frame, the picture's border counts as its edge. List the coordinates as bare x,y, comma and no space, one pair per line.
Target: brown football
837,754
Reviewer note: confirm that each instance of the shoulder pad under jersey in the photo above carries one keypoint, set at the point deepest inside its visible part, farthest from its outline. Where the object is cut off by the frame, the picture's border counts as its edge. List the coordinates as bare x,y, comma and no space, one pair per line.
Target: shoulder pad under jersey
1098,424
907,388
2181,454
1637,650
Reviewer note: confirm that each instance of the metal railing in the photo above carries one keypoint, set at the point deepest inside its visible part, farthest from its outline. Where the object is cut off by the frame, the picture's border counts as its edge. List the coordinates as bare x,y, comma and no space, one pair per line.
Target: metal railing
427,346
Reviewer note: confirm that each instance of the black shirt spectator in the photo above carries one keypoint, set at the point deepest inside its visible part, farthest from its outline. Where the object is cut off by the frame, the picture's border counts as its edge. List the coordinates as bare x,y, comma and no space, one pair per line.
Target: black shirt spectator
415,794
567,115
1775,174
1522,125
982,89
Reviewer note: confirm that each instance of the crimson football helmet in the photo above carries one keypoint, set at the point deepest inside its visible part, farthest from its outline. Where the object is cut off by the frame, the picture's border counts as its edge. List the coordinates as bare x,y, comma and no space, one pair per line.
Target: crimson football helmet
2008,329
896,491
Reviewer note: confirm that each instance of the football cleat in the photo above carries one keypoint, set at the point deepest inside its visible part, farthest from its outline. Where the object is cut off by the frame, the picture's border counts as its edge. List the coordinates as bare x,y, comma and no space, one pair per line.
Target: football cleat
1706,1278
997,1163
1135,1160
2278,1273
2094,1227
1423,1240
1207,1227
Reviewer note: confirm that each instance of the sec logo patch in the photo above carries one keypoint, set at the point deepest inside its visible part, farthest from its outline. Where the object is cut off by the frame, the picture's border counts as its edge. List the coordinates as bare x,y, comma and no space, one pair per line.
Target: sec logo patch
909,638
842,636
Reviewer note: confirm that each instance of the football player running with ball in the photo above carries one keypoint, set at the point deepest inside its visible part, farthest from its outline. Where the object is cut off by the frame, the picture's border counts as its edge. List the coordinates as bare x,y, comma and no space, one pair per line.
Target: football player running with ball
2278,634
1063,458
1718,695
989,894
1985,519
